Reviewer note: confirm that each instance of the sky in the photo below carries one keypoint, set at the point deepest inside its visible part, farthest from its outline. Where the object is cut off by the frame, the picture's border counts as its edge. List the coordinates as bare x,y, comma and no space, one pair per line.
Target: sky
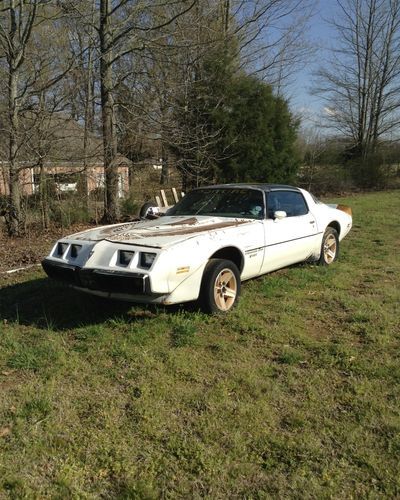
322,36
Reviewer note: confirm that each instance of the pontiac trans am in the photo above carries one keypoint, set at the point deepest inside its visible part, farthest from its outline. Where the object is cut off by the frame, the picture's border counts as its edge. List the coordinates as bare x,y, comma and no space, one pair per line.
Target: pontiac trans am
203,247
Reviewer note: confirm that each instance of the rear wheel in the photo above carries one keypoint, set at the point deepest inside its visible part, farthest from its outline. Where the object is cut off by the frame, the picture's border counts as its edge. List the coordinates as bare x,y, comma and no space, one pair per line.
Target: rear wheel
220,288
329,247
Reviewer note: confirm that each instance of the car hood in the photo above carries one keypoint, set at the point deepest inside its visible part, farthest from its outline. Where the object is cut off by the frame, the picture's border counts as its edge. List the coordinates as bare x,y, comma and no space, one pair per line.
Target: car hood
159,233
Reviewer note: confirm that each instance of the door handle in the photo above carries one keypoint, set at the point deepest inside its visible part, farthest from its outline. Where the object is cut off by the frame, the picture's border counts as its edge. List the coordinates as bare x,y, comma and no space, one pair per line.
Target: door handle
312,221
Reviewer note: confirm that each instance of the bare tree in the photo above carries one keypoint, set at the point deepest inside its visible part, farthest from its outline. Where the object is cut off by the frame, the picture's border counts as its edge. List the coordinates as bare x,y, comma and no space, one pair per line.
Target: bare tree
123,29
164,65
313,145
272,37
32,69
81,83
108,112
361,82
15,34
176,68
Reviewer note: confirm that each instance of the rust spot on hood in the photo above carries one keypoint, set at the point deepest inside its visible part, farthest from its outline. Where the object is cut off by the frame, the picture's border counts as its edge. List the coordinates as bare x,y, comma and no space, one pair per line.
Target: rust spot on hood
346,209
187,222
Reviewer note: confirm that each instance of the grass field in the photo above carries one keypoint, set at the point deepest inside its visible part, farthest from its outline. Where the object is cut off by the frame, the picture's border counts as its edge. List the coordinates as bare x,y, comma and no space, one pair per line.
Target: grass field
294,394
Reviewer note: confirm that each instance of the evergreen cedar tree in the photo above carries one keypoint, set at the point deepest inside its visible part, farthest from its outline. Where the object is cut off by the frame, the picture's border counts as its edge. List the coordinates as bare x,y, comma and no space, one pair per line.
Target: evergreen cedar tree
251,133
258,135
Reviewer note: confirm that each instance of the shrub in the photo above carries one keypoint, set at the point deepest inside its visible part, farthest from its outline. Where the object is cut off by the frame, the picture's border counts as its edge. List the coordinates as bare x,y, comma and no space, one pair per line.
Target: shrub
129,205
371,172
69,211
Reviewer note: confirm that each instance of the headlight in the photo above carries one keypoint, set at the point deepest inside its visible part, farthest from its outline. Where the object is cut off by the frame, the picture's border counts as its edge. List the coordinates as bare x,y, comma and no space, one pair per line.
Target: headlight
125,257
61,248
147,259
75,250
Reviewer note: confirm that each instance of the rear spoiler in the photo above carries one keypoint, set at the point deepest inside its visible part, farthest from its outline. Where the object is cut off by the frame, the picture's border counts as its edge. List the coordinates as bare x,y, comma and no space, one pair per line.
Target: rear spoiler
343,208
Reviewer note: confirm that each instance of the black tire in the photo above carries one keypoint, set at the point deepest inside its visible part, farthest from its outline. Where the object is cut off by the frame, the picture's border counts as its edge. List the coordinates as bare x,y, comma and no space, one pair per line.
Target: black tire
329,247
216,297
145,208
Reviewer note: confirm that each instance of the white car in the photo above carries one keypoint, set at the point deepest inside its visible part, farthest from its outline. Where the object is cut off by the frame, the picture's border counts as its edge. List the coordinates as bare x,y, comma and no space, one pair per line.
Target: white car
203,247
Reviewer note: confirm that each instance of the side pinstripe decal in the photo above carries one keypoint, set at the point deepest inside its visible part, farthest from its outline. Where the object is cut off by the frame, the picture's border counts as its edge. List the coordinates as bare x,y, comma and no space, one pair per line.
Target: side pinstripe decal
281,242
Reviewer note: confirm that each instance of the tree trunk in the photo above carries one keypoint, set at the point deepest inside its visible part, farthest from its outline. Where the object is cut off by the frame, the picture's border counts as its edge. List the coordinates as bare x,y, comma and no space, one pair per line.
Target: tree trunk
88,126
226,14
165,165
15,223
89,113
43,191
15,40
111,212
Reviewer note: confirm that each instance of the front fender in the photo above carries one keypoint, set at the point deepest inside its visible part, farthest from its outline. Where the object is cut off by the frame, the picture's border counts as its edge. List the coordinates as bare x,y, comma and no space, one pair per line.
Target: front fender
189,287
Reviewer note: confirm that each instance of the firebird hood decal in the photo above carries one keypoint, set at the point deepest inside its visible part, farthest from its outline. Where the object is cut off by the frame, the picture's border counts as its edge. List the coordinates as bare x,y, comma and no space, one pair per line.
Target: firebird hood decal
160,232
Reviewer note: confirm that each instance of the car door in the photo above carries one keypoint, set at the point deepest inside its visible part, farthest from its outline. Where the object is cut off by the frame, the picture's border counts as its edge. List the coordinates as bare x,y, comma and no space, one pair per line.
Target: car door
251,237
291,237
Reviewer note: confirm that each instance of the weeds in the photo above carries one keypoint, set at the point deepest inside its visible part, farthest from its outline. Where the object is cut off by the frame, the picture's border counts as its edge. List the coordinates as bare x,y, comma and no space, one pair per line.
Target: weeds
183,330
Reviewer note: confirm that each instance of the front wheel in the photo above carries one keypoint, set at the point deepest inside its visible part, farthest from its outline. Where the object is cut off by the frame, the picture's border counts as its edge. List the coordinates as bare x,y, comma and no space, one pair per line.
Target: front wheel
329,247
220,288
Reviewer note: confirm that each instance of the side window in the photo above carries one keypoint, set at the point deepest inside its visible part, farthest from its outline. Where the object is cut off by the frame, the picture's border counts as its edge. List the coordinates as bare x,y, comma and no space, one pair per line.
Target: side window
289,201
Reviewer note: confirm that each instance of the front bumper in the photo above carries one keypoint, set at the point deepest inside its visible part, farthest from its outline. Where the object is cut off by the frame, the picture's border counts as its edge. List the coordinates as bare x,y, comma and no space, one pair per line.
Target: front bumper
109,281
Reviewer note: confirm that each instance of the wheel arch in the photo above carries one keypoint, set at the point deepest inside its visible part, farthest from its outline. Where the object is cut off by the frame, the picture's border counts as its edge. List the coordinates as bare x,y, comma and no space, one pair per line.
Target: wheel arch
335,225
230,253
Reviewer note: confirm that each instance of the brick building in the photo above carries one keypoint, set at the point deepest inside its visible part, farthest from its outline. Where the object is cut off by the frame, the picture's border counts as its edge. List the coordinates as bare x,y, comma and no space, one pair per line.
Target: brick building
65,175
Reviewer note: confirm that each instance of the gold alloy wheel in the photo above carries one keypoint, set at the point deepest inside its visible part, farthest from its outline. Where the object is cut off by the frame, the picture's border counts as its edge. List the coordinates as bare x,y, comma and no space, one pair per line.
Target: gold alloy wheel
225,290
330,248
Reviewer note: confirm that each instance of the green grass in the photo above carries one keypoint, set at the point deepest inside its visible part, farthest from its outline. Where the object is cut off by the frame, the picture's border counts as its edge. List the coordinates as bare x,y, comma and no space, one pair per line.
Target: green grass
294,394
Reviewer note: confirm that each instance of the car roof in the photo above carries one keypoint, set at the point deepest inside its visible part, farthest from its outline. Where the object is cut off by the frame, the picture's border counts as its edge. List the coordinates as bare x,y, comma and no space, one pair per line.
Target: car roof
263,187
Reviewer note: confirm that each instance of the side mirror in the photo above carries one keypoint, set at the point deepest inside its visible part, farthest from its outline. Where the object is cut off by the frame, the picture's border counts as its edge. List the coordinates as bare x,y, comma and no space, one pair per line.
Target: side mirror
280,214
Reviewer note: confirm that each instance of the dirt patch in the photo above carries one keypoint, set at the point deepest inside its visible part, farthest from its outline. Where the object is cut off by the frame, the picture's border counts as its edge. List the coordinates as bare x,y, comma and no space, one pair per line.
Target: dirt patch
22,252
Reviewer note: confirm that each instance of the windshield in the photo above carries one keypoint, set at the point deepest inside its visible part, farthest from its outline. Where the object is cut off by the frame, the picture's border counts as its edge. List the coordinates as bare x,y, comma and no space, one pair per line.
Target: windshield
243,203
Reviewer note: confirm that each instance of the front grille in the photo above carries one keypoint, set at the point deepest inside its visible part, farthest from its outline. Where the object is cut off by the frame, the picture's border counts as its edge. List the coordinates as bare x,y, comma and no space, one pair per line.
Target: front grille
96,279
110,281
60,272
